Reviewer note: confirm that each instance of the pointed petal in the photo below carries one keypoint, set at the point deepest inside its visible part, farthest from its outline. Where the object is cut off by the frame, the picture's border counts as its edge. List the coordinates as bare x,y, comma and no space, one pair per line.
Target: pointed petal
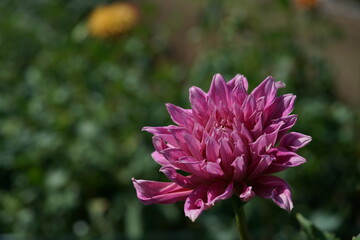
172,175
194,203
194,146
266,89
212,149
284,159
180,116
198,100
238,87
260,166
247,193
249,107
173,154
160,159
165,133
281,106
159,143
151,192
280,84
272,133
259,146
194,166
276,189
238,80
219,191
226,155
289,122
213,169
239,168
218,90
294,140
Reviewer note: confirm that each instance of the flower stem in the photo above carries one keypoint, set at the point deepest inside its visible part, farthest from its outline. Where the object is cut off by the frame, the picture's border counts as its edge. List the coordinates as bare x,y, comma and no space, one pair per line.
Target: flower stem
238,206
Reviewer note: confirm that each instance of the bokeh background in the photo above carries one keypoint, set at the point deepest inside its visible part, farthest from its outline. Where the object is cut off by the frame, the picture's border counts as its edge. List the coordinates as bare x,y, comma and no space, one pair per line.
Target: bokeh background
80,78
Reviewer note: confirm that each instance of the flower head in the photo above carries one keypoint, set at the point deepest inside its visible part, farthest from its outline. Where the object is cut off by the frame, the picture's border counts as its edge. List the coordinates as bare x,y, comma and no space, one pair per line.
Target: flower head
113,19
229,143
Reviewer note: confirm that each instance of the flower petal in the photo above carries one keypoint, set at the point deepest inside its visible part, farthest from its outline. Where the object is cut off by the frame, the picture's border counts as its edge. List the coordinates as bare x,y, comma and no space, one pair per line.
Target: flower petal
226,155
284,159
219,191
266,89
239,168
247,193
160,159
194,146
294,140
281,106
212,149
198,100
261,166
180,116
151,192
276,189
194,203
218,90
172,175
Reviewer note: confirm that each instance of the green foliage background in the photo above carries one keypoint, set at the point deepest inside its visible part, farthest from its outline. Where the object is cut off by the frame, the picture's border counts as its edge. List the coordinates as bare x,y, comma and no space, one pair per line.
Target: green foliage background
72,108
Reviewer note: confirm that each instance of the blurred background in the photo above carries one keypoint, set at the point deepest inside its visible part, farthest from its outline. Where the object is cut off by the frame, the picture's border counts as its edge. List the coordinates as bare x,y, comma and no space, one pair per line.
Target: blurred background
80,78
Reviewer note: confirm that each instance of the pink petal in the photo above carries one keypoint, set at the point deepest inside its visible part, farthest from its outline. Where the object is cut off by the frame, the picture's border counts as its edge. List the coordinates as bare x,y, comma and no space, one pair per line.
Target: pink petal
212,149
294,140
194,146
281,106
259,146
198,100
172,175
284,159
213,169
160,159
180,116
151,192
276,189
219,191
238,86
194,166
205,196
249,107
173,154
237,80
258,127
240,147
194,203
289,122
239,168
247,193
280,84
159,143
266,89
165,133
260,166
272,133
226,155
218,90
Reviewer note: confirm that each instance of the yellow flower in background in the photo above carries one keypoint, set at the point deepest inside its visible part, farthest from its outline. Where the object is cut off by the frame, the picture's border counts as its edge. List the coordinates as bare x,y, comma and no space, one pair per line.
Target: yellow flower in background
306,3
112,20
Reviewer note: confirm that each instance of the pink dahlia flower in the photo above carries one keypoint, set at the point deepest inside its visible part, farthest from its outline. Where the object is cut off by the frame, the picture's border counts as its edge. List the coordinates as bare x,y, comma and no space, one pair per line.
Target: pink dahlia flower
229,143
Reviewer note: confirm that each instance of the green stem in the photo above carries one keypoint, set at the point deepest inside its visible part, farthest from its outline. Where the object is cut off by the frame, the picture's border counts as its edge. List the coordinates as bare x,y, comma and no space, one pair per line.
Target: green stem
240,218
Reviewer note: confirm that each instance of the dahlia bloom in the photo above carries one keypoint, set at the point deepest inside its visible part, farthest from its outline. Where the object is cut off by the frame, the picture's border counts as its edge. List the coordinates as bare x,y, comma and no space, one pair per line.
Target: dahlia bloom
229,143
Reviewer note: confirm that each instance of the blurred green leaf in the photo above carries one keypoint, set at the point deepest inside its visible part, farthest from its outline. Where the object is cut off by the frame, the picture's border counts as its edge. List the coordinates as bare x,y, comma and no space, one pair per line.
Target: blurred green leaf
312,232
356,237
